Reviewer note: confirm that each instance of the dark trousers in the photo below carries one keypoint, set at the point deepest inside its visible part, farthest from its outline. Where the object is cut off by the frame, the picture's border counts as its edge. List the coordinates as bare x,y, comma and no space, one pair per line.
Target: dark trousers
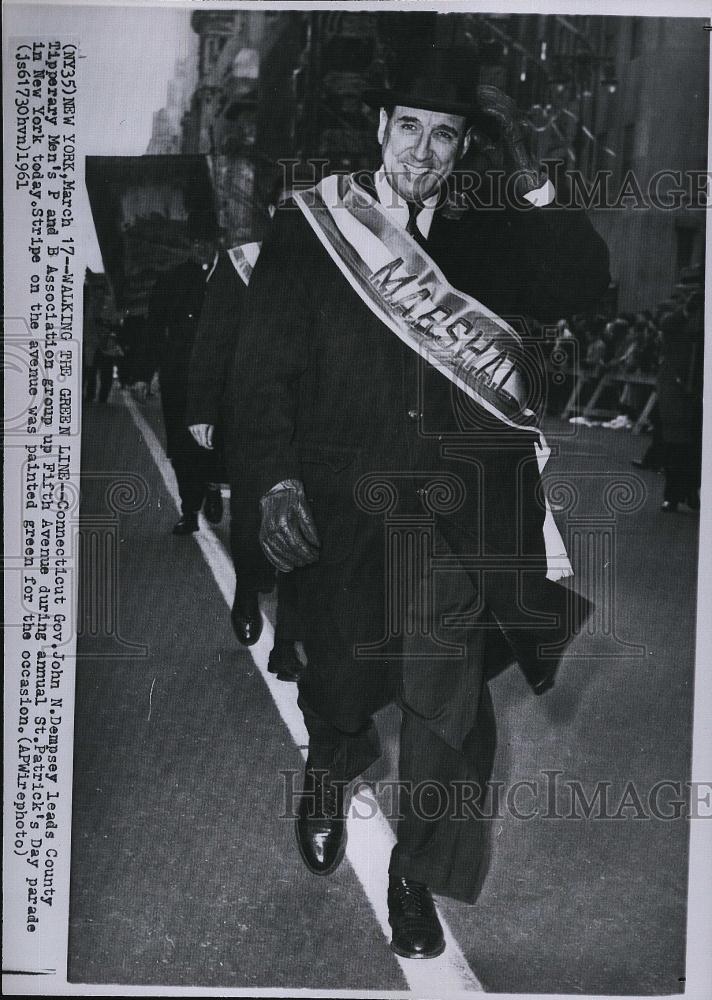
253,572
682,471
447,745
102,366
287,626
447,737
195,468
654,453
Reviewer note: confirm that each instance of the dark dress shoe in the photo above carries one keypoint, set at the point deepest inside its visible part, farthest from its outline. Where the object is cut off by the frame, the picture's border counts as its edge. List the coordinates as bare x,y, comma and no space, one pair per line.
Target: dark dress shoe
284,662
669,506
246,618
321,825
213,506
411,913
187,525
545,684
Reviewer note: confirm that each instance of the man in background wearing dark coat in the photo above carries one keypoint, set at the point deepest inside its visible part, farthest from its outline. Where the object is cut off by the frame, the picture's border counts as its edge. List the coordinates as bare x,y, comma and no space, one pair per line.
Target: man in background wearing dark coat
210,364
680,402
345,425
173,315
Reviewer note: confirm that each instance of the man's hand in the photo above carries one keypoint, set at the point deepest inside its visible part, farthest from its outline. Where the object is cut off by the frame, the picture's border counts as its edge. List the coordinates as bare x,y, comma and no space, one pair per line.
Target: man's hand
501,107
287,534
203,434
140,391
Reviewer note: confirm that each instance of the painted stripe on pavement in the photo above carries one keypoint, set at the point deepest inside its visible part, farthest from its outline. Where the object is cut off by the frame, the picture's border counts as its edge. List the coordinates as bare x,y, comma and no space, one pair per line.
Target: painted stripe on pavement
369,842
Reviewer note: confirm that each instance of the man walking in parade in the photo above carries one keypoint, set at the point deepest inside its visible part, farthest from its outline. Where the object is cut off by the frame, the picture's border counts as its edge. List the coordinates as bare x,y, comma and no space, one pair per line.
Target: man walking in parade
173,315
210,365
387,410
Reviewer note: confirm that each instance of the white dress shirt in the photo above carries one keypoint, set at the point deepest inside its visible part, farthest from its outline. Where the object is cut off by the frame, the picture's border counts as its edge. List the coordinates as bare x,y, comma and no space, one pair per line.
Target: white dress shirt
398,207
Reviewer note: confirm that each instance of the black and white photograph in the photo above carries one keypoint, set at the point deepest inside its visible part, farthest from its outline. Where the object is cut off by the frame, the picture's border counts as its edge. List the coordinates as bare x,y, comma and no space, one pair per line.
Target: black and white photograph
356,517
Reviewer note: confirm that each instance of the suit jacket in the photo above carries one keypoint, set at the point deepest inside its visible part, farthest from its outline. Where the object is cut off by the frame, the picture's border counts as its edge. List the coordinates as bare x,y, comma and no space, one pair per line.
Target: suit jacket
323,392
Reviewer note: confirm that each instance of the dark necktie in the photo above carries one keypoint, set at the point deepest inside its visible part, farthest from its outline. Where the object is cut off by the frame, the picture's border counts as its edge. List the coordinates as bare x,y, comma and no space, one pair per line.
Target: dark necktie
412,226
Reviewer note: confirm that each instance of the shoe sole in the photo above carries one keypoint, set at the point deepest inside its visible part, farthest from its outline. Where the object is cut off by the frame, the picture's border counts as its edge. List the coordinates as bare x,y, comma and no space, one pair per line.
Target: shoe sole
321,871
407,954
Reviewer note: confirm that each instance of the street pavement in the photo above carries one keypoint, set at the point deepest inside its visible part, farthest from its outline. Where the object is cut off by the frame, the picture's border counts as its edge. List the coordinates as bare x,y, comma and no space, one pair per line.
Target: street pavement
184,869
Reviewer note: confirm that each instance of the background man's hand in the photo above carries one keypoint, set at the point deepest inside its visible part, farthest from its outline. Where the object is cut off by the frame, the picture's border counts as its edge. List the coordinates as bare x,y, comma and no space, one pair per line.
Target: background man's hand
288,534
203,434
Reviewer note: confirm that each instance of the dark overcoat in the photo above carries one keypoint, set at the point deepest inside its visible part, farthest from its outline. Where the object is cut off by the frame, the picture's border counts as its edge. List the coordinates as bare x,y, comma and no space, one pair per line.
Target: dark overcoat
324,393
173,315
680,379
210,365
214,346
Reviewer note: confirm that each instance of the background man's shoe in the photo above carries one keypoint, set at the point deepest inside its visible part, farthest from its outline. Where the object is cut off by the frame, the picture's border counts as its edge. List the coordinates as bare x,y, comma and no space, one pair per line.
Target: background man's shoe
320,825
213,506
669,506
246,618
411,913
284,662
187,525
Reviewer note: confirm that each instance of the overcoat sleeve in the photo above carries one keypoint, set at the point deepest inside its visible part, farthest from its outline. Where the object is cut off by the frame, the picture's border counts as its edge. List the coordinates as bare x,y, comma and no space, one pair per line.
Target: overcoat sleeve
563,262
272,352
212,354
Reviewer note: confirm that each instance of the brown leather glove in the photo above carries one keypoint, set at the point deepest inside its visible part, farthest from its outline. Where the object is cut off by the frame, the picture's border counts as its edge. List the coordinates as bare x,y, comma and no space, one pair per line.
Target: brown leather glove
287,533
502,108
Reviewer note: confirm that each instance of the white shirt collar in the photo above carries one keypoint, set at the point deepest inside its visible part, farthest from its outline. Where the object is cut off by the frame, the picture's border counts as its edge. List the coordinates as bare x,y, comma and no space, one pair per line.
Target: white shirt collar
398,207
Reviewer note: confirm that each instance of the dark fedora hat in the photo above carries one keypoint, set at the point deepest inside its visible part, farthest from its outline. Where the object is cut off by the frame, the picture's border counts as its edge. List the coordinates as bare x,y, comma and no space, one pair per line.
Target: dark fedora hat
446,81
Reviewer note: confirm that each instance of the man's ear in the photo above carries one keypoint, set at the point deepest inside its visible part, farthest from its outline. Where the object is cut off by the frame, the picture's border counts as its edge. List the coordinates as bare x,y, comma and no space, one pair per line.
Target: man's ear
382,123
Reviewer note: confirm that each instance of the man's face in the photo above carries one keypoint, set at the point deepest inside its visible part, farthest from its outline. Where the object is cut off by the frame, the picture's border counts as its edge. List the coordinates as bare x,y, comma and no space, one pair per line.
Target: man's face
420,149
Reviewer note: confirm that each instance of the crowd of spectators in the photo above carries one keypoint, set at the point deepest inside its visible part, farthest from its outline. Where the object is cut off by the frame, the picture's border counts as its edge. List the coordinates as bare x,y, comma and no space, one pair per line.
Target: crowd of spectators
624,344
656,352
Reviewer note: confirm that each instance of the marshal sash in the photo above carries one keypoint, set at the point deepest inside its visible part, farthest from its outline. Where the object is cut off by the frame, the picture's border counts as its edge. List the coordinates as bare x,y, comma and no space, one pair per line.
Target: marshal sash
460,337
454,332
